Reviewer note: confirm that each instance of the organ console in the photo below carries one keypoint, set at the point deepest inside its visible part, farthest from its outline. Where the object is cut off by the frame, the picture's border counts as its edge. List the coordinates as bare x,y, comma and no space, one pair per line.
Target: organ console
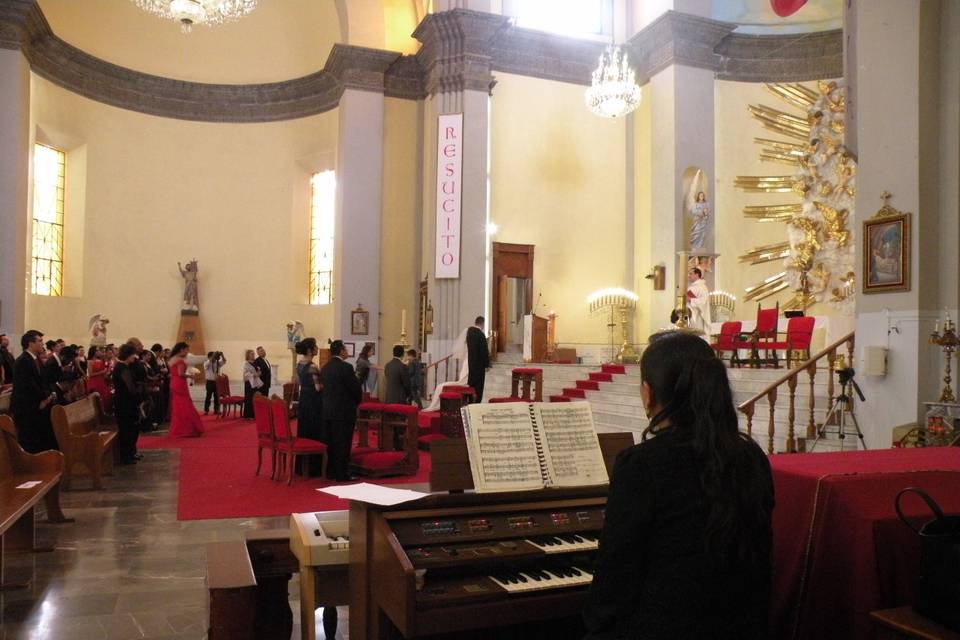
321,544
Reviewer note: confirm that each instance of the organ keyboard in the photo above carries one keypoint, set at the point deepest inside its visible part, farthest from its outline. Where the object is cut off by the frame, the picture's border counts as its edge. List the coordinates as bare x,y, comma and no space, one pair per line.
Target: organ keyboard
321,543
448,564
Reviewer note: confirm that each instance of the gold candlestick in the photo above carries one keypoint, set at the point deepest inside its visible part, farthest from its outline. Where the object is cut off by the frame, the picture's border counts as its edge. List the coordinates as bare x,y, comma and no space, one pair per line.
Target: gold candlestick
949,342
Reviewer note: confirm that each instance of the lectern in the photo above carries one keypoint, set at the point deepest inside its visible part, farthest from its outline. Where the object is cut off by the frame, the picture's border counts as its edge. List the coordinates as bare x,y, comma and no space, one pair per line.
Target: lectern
534,338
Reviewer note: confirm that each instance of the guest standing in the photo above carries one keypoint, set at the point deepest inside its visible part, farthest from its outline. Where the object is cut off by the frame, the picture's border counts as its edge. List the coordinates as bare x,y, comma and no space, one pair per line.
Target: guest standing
31,399
687,535
184,420
397,379
341,396
263,367
478,357
6,359
251,383
415,369
126,405
211,369
367,372
310,404
97,375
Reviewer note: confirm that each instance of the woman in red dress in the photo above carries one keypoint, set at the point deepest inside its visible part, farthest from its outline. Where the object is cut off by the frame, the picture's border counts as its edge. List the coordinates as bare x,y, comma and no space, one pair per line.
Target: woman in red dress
97,374
184,419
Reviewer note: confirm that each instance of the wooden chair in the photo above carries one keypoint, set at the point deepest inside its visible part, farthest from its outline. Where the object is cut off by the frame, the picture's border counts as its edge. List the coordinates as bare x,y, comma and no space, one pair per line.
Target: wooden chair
227,401
17,506
527,383
798,338
729,334
289,446
85,441
291,395
263,417
398,420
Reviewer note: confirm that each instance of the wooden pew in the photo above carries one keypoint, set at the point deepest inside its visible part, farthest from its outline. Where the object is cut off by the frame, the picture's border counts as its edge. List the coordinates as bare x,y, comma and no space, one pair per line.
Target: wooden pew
85,438
17,525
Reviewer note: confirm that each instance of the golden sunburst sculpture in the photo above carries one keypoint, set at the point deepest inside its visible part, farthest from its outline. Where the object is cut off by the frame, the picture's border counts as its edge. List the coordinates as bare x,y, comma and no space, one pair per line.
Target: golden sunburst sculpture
818,254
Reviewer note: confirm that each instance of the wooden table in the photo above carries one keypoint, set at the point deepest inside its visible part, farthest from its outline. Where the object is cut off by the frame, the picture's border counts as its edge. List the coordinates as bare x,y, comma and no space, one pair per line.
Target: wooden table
905,623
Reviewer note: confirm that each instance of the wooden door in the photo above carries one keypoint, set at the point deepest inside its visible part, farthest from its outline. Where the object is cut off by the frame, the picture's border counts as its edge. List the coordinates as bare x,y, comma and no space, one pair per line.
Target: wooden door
509,261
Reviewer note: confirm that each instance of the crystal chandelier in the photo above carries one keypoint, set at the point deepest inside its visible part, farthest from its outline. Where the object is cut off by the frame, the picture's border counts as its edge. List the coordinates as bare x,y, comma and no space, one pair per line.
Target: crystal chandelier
614,91
191,12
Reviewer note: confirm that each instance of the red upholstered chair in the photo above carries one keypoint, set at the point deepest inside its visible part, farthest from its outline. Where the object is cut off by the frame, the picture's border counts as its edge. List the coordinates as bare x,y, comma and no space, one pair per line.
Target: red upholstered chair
399,420
798,337
764,336
263,417
290,446
729,334
226,400
291,395
527,383
369,416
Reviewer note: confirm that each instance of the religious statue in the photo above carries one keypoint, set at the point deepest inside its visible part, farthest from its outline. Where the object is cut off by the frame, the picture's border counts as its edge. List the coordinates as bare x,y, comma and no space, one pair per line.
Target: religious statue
294,333
191,301
698,210
98,330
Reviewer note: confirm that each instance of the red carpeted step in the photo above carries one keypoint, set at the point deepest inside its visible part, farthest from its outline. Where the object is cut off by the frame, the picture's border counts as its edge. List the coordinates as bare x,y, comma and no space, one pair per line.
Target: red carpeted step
425,419
574,393
589,385
613,368
559,398
601,376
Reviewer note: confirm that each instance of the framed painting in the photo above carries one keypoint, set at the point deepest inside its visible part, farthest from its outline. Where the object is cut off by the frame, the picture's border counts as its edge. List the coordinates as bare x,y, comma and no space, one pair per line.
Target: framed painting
351,348
886,251
359,321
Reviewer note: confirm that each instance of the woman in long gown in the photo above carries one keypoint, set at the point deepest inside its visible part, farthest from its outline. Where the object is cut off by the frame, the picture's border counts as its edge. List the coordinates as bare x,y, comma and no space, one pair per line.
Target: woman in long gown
310,405
97,375
184,418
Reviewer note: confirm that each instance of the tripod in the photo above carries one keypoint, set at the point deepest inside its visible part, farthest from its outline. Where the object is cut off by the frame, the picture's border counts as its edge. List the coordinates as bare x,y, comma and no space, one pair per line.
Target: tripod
842,406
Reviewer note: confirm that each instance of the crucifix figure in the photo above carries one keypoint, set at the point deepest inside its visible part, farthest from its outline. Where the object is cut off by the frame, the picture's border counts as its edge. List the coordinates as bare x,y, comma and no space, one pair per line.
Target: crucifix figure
191,301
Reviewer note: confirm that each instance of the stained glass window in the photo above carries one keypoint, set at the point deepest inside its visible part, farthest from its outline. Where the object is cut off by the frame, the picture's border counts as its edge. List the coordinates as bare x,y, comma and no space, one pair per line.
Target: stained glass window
48,181
323,189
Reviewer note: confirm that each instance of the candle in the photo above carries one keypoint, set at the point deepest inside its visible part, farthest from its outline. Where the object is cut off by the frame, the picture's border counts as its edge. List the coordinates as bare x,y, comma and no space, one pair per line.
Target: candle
936,327
403,321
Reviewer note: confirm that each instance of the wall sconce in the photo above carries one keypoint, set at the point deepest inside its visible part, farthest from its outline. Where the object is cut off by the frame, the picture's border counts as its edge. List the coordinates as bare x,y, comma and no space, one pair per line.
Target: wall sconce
659,276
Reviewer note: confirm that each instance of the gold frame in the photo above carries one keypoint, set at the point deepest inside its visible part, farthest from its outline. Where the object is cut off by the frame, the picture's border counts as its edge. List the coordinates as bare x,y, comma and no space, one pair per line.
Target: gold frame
359,322
887,215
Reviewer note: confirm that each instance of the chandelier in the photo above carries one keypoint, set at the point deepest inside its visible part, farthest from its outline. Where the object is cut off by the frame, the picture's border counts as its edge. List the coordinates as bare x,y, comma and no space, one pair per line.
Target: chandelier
191,12
614,91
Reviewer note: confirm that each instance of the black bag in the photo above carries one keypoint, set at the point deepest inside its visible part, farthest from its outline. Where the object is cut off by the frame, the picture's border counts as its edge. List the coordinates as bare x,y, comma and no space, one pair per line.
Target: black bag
938,587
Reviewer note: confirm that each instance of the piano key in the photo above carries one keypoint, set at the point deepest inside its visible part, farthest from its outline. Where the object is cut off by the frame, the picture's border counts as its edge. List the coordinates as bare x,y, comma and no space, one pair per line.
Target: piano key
564,543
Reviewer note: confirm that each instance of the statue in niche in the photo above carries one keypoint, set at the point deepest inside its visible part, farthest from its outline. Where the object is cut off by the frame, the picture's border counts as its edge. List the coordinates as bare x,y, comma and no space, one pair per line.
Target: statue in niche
191,301
698,210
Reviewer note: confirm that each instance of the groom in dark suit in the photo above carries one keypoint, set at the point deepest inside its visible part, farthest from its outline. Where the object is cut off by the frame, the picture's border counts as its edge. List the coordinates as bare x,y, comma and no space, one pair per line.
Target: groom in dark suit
32,398
341,396
397,377
478,357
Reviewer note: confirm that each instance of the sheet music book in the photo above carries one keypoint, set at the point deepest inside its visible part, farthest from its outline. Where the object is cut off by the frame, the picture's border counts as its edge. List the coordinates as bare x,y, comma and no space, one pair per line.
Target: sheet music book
516,446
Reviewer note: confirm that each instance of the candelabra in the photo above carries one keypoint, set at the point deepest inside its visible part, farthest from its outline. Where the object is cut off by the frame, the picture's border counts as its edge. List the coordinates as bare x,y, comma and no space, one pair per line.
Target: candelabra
949,342
616,301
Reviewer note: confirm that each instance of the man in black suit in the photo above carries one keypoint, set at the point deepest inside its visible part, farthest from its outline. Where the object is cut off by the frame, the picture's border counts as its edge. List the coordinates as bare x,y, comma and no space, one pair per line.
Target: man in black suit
341,396
52,369
478,357
397,377
6,359
31,399
262,365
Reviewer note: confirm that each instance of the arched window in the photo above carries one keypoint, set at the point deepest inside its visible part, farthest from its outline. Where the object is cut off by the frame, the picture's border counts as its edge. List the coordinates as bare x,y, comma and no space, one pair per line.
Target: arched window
47,254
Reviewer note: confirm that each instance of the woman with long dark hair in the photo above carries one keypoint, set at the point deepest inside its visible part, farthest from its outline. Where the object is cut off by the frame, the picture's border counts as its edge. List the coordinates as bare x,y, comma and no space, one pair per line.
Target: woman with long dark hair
310,404
685,548
184,419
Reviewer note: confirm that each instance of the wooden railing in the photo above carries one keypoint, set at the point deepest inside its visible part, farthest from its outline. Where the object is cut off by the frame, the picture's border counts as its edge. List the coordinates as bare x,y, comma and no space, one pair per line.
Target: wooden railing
791,380
441,373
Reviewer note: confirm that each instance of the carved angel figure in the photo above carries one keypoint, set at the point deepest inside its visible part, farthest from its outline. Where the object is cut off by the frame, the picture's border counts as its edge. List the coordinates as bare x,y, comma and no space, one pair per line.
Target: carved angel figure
98,330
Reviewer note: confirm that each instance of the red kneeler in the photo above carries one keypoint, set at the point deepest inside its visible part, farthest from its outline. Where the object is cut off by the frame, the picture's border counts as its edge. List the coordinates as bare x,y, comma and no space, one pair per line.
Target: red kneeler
399,420
290,446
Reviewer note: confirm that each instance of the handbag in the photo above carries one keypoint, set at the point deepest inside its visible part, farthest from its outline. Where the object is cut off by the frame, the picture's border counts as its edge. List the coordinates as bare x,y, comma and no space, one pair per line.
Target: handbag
938,585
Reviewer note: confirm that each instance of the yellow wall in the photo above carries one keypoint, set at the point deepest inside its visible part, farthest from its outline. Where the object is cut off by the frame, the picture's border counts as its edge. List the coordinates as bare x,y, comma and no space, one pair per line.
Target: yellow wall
558,182
399,239
158,191
643,161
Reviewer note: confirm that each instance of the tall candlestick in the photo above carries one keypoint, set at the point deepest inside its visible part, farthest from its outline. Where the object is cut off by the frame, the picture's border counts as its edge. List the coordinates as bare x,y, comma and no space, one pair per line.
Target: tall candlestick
403,321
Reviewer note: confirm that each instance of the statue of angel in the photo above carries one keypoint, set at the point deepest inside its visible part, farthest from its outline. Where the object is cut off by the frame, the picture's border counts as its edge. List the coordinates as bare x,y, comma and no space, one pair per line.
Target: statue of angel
98,330
698,210
191,301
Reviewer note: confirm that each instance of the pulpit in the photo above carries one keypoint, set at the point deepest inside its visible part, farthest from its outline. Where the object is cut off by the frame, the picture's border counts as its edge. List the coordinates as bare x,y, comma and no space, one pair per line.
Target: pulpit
534,338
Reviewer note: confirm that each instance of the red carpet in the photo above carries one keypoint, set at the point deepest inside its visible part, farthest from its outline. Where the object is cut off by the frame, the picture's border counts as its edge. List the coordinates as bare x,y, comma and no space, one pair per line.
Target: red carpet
217,481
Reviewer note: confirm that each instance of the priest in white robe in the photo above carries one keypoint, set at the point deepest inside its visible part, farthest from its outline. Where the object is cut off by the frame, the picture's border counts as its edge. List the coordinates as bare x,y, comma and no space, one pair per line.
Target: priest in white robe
698,302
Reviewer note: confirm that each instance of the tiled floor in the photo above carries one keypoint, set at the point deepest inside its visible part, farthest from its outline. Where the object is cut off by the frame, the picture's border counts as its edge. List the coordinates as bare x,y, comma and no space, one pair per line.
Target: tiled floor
126,569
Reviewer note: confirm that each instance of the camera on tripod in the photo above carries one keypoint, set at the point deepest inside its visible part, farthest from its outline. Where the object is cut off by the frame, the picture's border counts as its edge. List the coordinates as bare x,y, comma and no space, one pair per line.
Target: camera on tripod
847,377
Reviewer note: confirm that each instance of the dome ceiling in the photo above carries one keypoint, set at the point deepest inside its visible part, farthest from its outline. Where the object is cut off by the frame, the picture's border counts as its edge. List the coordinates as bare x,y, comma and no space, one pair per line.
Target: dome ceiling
279,40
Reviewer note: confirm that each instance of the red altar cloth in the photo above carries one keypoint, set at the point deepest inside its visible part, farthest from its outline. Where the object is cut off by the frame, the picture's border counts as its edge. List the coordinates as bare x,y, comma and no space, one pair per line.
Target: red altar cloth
837,552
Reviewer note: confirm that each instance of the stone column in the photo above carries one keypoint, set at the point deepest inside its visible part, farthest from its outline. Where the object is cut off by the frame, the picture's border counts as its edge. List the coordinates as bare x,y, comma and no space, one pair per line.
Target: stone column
359,202
677,50
14,190
898,144
456,54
